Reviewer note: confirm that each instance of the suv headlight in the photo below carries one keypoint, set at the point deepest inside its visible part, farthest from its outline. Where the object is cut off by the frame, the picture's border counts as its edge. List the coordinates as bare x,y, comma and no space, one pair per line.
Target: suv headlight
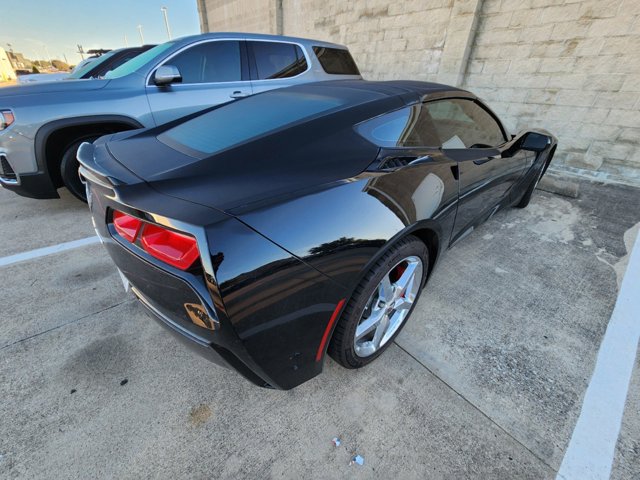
6,118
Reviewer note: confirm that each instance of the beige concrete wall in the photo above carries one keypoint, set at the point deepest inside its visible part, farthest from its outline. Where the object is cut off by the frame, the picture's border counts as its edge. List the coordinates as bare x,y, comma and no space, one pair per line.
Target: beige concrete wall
571,66
256,16
402,39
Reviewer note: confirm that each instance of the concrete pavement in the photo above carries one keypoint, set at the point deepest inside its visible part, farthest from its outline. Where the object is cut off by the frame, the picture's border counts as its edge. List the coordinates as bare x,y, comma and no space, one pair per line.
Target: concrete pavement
486,381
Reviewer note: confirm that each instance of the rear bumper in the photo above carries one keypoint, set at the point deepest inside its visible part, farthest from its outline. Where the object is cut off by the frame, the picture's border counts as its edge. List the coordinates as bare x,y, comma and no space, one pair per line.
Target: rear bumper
166,295
266,311
192,341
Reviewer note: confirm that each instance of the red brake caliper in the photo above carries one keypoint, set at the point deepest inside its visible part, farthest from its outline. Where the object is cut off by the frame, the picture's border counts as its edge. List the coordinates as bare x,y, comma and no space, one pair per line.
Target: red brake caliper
398,271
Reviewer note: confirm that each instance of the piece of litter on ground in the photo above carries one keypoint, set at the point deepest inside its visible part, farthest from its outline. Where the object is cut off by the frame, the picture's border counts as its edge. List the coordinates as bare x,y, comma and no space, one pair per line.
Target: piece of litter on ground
336,442
358,460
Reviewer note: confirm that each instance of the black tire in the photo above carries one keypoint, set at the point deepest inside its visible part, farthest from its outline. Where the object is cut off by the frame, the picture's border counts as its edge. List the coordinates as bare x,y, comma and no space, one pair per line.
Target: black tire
69,169
526,198
342,348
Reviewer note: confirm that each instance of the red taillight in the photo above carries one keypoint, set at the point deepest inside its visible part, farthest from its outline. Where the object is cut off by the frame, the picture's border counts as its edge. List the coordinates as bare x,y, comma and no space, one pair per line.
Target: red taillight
176,249
171,247
127,226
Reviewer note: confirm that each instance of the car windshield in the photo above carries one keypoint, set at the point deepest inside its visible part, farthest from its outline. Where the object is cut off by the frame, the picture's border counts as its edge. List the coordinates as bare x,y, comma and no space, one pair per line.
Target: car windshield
237,122
137,62
86,68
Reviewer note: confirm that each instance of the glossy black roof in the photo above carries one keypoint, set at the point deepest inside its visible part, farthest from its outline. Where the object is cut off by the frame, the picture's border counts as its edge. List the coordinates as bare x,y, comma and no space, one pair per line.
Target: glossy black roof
354,89
316,150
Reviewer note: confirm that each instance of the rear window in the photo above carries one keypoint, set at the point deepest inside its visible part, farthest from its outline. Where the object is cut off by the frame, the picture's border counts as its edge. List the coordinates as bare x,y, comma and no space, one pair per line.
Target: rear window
278,60
237,122
336,61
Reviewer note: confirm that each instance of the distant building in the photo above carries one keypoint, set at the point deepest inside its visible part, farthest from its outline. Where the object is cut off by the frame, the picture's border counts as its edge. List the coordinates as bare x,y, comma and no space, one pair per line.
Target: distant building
6,69
19,62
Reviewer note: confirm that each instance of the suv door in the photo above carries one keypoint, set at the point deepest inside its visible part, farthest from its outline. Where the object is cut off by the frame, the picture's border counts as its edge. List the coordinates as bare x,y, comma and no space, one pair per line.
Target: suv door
275,64
473,137
213,72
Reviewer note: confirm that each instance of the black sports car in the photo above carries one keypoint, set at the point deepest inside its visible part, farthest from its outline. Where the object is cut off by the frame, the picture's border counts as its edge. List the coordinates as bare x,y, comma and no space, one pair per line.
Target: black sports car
268,230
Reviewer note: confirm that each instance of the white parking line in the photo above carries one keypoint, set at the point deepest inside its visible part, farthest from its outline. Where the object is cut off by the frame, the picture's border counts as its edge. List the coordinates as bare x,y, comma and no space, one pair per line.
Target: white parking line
593,443
41,252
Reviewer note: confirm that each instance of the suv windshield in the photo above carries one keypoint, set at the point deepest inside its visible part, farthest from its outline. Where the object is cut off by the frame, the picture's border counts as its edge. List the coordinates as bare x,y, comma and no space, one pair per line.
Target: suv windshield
237,122
81,72
137,62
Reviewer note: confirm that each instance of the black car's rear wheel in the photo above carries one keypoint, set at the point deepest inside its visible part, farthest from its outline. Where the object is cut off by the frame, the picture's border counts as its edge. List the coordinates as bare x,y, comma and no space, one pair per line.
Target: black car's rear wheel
526,198
69,169
381,304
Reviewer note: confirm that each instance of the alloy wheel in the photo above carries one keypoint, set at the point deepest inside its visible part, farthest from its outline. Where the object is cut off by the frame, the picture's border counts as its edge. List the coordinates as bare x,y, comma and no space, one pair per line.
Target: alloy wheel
388,306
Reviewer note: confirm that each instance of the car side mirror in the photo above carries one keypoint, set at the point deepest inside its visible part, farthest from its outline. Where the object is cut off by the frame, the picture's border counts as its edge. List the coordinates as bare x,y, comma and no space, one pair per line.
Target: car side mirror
166,75
535,142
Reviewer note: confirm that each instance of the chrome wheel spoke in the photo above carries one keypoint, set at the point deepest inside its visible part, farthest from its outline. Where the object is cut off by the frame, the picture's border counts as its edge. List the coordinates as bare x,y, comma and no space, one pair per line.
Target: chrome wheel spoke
369,324
385,290
383,326
402,303
406,282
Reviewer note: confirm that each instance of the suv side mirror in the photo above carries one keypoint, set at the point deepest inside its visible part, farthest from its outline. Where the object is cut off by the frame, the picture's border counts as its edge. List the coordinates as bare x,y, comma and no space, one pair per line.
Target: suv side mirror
535,142
166,75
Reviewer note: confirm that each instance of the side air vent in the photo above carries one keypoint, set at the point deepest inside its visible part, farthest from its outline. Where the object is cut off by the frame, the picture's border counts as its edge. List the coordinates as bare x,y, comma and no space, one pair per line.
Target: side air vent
391,163
6,172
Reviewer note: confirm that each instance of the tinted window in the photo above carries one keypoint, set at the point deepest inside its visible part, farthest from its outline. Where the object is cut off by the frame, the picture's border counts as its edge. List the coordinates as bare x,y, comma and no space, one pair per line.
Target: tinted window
81,72
407,127
237,122
278,60
336,61
121,61
139,61
454,123
209,62
464,124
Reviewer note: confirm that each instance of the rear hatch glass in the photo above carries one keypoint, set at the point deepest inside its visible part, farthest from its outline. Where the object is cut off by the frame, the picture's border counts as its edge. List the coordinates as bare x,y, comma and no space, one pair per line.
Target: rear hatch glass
237,122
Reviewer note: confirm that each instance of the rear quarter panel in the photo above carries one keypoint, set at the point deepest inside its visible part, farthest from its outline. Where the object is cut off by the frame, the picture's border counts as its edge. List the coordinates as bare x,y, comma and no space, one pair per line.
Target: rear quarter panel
340,229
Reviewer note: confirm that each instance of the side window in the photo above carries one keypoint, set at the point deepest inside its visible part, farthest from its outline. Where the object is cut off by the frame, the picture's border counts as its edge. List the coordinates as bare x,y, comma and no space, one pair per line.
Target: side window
120,61
209,62
461,123
408,127
277,59
336,61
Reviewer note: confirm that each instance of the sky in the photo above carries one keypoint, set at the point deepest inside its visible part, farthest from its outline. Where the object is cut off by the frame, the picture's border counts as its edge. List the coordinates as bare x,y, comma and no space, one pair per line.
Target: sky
40,29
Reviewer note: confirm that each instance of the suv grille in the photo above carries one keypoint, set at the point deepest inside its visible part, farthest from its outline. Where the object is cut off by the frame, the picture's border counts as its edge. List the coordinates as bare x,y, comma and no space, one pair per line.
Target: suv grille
6,172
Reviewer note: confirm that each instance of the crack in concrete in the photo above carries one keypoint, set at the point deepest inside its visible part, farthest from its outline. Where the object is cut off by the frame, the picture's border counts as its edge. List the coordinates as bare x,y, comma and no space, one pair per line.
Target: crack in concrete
476,408
64,324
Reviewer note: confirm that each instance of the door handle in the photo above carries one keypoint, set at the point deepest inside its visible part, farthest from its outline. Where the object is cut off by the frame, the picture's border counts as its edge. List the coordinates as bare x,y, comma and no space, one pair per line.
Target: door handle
487,159
239,94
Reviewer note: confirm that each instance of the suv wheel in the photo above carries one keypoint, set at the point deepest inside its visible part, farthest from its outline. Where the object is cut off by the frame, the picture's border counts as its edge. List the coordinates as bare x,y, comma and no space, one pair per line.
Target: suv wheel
69,168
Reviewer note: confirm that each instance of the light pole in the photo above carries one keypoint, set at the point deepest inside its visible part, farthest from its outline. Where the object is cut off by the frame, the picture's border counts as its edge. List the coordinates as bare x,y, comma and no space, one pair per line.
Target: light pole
126,42
141,36
166,21
48,56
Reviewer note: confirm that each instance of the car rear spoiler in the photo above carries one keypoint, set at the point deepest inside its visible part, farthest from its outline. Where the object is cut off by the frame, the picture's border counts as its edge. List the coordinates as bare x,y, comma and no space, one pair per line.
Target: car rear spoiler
98,166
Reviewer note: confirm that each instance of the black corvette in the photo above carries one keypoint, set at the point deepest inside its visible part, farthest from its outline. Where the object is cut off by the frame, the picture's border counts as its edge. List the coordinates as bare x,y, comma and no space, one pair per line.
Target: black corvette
267,231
